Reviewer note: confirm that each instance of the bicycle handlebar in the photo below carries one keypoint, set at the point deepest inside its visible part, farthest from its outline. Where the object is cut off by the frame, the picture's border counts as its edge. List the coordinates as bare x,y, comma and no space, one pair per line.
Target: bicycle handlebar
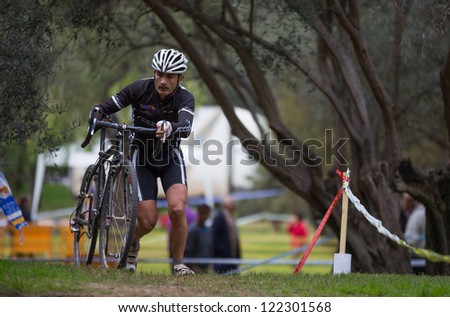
94,124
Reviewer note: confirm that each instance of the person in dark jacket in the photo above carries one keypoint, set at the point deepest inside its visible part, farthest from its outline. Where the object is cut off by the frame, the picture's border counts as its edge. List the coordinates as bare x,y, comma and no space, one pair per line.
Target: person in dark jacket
225,237
199,243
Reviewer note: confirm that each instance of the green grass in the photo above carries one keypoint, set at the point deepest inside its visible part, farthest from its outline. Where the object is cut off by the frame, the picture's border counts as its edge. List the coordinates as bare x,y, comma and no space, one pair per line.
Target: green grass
259,241
55,197
52,279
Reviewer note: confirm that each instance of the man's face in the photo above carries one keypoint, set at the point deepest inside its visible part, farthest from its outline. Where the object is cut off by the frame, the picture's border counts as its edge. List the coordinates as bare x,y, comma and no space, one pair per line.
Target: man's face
166,83
203,216
408,203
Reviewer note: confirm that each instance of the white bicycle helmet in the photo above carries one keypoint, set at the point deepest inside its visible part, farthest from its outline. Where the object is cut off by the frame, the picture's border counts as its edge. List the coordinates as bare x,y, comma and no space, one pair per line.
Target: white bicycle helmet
169,61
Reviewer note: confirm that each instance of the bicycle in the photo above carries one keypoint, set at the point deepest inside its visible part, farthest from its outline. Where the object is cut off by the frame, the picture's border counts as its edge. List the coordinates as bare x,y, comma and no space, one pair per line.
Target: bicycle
107,201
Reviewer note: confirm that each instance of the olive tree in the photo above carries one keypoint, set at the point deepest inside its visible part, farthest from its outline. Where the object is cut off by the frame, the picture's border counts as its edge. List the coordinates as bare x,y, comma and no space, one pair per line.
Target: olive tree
235,46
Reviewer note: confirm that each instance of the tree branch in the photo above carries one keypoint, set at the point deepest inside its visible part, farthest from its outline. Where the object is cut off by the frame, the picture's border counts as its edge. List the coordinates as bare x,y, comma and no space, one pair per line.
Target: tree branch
384,100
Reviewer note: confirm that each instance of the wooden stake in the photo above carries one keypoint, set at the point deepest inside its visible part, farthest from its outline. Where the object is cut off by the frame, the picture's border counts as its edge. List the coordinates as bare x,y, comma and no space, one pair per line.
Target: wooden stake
344,217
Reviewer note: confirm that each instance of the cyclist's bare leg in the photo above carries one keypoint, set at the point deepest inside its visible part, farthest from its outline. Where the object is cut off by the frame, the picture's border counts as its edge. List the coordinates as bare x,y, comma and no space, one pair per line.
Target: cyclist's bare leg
147,217
176,198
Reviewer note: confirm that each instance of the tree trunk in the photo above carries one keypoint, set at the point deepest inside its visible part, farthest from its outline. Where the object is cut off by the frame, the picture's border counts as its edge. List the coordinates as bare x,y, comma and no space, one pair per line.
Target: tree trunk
433,191
445,87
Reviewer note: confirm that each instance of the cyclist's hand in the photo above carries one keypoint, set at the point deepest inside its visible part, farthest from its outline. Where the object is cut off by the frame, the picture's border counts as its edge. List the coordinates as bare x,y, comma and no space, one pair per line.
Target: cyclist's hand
164,129
100,114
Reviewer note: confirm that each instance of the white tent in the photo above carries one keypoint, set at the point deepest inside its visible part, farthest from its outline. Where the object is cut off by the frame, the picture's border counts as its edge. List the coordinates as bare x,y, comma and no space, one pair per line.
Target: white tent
215,159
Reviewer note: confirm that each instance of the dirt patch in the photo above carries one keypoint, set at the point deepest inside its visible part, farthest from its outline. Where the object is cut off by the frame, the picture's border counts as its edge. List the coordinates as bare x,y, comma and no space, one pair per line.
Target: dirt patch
171,289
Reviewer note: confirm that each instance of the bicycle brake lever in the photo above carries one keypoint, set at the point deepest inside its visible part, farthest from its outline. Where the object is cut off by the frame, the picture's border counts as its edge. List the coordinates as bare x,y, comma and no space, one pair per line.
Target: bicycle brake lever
164,132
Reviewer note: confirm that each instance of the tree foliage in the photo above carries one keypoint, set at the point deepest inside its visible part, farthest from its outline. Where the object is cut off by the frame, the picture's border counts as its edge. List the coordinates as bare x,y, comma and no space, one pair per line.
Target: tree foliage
33,35
26,57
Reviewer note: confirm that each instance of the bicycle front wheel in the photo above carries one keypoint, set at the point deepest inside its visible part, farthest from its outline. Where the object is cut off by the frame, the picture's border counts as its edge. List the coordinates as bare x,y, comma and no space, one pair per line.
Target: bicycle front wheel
85,222
119,218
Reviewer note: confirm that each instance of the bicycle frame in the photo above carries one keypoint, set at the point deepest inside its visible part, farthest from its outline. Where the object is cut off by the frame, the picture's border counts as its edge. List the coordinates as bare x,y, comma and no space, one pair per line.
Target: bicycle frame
112,208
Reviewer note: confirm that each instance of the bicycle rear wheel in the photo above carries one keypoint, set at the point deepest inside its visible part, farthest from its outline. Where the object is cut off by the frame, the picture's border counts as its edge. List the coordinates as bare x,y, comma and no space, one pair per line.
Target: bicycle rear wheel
119,218
85,222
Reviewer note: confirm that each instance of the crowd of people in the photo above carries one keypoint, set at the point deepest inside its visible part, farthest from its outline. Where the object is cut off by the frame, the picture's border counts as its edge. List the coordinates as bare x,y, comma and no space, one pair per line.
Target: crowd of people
219,239
215,235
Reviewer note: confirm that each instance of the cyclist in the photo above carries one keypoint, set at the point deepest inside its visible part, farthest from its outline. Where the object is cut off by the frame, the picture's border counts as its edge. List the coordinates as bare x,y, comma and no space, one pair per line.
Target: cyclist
161,102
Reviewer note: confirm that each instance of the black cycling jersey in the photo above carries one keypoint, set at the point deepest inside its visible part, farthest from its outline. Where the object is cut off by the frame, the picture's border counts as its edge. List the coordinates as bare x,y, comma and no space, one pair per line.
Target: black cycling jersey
148,109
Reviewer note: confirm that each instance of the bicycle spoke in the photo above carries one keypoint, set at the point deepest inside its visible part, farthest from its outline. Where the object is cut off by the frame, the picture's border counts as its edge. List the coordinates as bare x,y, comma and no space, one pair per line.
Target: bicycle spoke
83,223
119,222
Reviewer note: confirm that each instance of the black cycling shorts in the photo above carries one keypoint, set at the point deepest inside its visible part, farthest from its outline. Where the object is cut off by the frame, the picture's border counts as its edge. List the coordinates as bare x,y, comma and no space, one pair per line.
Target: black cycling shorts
170,170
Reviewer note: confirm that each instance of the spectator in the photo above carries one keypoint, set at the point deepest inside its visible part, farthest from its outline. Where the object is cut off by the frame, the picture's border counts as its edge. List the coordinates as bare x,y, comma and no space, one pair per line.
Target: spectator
199,241
407,205
415,227
24,205
298,231
225,237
